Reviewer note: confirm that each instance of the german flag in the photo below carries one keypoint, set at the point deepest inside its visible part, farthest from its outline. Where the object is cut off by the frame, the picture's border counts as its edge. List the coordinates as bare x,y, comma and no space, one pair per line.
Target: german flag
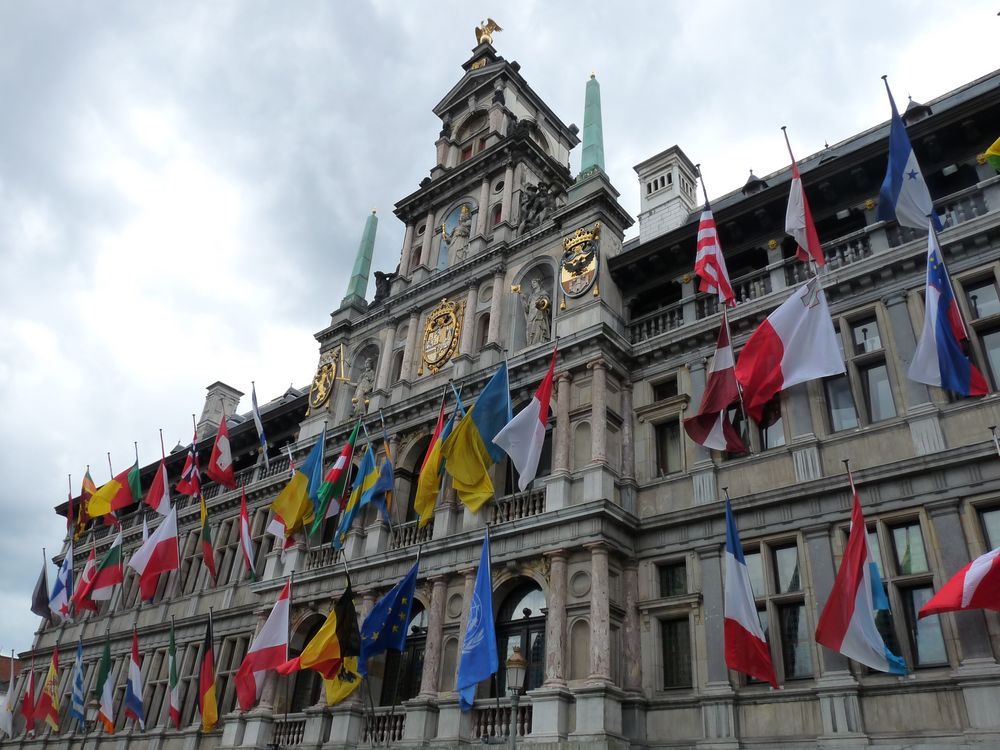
207,703
207,552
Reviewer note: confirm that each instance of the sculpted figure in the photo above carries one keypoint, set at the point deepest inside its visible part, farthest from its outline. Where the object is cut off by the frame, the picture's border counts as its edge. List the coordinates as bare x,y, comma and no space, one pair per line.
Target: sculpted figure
364,389
538,314
459,238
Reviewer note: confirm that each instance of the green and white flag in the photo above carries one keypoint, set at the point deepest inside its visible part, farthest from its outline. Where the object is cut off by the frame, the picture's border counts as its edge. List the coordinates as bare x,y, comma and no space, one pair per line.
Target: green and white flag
105,690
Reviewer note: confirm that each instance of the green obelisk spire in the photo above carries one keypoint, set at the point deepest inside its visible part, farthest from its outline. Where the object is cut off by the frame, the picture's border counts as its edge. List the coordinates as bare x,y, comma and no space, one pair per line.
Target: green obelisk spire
593,131
358,284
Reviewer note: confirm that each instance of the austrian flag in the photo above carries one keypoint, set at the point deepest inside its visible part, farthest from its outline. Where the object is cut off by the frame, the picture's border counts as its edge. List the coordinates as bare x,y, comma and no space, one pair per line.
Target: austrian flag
976,586
268,650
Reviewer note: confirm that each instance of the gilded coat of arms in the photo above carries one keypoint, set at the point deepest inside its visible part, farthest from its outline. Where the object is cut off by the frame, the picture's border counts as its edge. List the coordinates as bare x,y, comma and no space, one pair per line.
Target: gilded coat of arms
579,265
323,380
441,334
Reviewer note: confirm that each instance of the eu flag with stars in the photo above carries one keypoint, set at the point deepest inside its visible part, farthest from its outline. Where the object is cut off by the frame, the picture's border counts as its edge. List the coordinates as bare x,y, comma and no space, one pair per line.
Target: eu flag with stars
385,626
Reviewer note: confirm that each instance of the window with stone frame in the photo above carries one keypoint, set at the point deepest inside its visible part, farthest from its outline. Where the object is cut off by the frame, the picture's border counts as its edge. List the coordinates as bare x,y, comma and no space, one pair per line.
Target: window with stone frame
228,554
156,685
979,302
188,659
675,652
768,434
521,622
194,574
775,579
841,409
230,653
672,575
989,524
869,374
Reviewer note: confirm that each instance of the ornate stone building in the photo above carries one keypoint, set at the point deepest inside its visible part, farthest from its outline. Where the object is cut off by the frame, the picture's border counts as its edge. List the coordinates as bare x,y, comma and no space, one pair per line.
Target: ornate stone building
608,570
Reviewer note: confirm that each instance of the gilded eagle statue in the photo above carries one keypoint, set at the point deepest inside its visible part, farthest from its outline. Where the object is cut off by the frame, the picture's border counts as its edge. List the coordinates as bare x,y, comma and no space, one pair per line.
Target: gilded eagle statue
485,29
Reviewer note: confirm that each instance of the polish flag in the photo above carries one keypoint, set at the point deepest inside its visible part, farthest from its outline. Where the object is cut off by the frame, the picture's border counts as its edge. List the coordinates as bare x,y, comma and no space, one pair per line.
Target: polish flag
522,437
799,221
268,651
80,599
710,426
746,646
976,586
795,344
158,554
220,463
847,624
158,496
246,543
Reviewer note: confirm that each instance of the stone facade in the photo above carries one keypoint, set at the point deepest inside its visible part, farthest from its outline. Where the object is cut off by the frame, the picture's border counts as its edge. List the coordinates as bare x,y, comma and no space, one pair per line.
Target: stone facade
608,571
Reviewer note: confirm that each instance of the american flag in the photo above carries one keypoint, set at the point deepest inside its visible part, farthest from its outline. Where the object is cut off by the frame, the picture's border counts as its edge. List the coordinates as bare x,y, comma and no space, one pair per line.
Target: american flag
709,263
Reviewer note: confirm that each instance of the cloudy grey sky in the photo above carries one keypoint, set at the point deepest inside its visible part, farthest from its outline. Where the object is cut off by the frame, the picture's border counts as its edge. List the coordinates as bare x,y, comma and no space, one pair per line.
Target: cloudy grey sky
183,185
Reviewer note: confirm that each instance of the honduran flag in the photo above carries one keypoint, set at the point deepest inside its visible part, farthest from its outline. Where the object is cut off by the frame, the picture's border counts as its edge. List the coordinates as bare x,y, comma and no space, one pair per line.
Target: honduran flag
220,463
711,427
523,436
268,651
795,344
847,624
976,586
158,554
158,497
746,646
939,359
133,686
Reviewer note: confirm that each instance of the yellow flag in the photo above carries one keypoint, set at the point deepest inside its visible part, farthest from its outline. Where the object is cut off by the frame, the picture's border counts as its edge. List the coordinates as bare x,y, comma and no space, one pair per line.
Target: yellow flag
429,485
345,683
468,462
293,504
99,504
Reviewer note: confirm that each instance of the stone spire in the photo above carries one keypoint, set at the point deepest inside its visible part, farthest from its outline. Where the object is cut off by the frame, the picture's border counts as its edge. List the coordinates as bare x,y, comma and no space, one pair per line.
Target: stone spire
358,285
593,131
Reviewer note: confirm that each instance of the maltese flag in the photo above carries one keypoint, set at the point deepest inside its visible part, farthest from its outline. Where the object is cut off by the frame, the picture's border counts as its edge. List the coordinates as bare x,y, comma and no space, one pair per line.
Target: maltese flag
522,437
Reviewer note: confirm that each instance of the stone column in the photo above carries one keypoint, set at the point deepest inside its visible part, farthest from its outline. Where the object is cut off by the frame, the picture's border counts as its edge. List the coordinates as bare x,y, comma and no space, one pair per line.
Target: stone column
632,636
599,411
713,612
431,676
555,621
469,320
404,258
562,436
266,702
600,615
385,361
496,305
628,433
410,353
425,249
483,215
467,592
508,192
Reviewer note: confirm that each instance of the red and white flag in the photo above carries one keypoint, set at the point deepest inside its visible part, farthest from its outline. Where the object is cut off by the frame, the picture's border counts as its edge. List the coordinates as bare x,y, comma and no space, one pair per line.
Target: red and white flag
795,344
81,600
799,221
522,437
158,554
220,463
711,426
976,586
709,263
246,543
268,650
190,481
158,496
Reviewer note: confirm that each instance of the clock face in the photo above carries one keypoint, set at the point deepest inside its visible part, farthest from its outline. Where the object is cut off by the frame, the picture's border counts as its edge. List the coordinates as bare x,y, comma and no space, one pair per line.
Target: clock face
322,385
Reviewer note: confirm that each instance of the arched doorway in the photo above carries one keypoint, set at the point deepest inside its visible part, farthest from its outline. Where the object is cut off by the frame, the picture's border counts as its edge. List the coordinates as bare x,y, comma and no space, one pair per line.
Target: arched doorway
521,622
304,688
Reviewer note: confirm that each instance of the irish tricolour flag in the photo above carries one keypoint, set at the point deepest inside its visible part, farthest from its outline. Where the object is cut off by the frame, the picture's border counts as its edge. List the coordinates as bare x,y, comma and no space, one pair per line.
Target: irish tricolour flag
522,437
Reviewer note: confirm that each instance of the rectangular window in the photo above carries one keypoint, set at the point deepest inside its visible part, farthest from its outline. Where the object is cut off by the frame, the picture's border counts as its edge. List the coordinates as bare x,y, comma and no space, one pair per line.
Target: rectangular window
668,447
676,640
866,336
786,569
466,153
908,545
772,427
926,641
665,389
878,392
795,644
991,348
840,403
991,526
983,299
673,578
756,570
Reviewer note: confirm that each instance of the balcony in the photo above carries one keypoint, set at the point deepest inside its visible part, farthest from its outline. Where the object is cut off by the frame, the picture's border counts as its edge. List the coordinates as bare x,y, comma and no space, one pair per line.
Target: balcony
492,720
383,725
516,507
407,534
288,730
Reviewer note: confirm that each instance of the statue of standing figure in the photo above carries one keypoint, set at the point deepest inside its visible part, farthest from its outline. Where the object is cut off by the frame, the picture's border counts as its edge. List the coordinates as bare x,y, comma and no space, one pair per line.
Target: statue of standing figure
459,238
363,391
538,314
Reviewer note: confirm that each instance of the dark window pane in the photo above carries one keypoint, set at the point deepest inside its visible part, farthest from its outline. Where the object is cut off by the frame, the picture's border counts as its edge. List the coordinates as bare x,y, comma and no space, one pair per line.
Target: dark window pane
736,416
673,579
983,299
786,569
926,641
756,571
840,404
676,653
878,392
991,345
908,545
666,389
883,621
991,527
762,616
772,429
668,448
794,641
866,337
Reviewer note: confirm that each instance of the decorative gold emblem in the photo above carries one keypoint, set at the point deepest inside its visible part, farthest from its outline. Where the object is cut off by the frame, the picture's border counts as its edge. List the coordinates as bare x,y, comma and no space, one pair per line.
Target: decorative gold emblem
480,63
870,204
981,158
579,265
441,334
323,380
484,31
772,244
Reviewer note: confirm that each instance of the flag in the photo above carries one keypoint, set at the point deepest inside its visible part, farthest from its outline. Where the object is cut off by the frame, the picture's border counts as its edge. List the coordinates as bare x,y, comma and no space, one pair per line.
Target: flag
77,701
745,644
207,704
522,437
904,195
380,493
798,218
795,344
259,424
133,686
297,502
47,705
28,702
334,485
710,263
469,450
366,479
40,596
7,706
87,490
220,462
81,600
121,492
158,497
711,427
105,689
432,468
939,358
993,155
207,552
847,624
109,571
190,481
174,682
158,554
385,626
62,589
268,651
976,586
246,543
479,650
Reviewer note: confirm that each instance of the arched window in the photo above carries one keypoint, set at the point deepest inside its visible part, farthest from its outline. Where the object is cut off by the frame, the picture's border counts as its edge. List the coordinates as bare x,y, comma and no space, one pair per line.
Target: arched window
396,371
483,330
521,622
306,684
401,677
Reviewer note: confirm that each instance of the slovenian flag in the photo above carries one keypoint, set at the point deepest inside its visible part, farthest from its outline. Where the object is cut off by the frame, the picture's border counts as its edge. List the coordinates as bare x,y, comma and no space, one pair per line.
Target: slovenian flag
523,436
746,646
133,686
939,359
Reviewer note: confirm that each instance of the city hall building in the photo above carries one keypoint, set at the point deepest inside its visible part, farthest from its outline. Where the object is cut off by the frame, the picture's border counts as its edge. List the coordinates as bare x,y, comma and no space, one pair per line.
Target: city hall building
608,571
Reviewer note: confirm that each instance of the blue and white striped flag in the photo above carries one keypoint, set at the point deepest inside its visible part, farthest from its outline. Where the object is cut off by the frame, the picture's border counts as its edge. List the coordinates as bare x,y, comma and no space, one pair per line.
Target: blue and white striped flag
259,424
77,705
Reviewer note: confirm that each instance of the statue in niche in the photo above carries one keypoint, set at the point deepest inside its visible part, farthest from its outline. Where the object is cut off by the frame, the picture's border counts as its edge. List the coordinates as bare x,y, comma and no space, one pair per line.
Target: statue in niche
363,391
537,314
458,239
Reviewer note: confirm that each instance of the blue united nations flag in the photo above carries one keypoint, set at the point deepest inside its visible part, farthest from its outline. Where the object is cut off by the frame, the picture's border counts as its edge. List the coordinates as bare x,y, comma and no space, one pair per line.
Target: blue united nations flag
479,651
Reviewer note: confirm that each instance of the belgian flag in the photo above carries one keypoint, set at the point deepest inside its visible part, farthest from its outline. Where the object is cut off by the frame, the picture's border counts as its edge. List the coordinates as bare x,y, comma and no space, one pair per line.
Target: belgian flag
207,703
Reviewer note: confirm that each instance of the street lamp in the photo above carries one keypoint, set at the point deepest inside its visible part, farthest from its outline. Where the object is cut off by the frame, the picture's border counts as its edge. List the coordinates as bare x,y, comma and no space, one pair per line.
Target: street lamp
516,668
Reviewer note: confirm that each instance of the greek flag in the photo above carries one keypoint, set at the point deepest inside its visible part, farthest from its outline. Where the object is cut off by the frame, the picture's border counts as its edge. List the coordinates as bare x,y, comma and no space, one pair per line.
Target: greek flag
77,704
479,650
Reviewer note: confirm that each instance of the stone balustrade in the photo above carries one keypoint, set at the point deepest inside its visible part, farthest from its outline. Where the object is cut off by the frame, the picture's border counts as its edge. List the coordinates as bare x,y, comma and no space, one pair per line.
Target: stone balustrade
288,731
384,725
409,533
516,507
492,720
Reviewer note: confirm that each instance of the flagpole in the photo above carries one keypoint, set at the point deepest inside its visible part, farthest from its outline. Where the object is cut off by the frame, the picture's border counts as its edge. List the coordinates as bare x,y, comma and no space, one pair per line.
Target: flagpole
70,526
812,261
110,470
45,571
739,387
996,441
163,450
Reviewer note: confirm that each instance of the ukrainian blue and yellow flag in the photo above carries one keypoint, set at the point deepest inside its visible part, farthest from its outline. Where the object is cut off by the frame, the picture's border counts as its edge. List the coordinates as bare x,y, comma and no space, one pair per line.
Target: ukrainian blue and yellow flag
432,470
297,502
469,451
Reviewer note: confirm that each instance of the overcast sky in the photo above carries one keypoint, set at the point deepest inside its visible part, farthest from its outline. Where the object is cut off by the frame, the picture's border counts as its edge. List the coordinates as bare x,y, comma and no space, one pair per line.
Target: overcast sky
183,185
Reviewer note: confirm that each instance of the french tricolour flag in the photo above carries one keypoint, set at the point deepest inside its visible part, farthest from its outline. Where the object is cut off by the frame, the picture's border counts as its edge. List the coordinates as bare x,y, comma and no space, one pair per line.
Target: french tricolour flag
746,647
939,359
976,586
133,687
522,437
847,624
269,649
